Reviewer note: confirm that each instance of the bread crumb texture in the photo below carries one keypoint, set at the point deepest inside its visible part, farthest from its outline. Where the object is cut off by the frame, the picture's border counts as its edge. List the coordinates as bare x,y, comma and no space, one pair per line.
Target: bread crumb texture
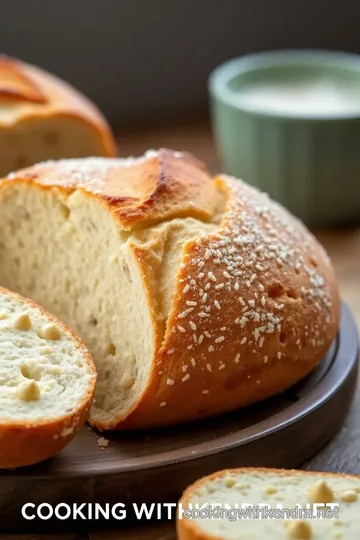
180,284
238,486
37,383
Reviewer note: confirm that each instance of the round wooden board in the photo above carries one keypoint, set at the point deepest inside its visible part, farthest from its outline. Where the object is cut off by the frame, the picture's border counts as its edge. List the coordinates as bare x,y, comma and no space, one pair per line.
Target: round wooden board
156,466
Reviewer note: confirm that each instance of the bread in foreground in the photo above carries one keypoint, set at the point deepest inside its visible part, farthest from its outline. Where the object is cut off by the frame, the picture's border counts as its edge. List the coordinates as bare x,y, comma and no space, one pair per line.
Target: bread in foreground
42,117
279,489
195,295
47,381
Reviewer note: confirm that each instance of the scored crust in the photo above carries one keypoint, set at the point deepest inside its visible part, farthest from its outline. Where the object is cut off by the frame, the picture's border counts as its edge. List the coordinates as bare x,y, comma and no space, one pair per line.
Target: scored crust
254,301
25,443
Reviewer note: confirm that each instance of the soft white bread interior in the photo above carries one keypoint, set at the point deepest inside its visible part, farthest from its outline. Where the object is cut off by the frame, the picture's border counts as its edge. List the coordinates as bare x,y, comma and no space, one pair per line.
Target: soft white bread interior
180,284
277,489
42,117
47,381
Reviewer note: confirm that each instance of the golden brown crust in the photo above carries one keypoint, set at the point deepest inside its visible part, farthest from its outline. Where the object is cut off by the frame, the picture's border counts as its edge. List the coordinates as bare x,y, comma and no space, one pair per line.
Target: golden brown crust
43,95
22,443
139,191
255,309
187,528
255,305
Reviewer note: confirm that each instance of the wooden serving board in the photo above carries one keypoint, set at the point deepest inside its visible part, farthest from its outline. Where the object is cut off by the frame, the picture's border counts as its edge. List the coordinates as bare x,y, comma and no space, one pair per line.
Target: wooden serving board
156,466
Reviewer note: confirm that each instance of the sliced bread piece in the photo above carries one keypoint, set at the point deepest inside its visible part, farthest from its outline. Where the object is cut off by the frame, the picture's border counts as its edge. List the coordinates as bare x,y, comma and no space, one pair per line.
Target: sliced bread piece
280,490
47,381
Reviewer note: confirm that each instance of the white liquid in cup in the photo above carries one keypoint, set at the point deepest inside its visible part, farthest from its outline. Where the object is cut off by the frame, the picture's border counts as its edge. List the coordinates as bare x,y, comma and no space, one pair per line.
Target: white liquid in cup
320,97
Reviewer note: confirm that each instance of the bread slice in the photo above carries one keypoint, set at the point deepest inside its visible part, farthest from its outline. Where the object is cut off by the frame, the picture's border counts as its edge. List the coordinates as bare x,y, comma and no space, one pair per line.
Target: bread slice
42,117
47,381
179,284
280,490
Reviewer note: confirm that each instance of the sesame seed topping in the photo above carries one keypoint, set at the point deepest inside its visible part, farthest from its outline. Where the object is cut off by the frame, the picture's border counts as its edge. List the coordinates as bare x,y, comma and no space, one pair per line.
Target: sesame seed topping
226,274
193,362
207,334
186,289
185,313
211,348
208,367
184,368
217,304
236,286
219,339
205,392
186,378
279,354
170,351
170,382
202,314
192,325
163,404
207,286
263,300
191,303
181,329
201,275
220,286
204,298
222,366
189,347
266,359
211,276
201,339
244,340
237,358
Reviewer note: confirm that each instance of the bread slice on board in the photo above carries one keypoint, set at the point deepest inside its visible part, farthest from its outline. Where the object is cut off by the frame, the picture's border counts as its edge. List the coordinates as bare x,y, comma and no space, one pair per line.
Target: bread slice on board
42,117
195,295
279,490
47,381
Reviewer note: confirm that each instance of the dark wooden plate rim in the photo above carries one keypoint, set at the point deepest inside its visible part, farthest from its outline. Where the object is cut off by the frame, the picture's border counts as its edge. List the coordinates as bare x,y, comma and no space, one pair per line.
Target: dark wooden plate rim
343,361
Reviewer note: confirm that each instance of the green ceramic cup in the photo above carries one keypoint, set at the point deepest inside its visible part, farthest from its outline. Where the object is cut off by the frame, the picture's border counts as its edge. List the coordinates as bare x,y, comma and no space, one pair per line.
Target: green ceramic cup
305,154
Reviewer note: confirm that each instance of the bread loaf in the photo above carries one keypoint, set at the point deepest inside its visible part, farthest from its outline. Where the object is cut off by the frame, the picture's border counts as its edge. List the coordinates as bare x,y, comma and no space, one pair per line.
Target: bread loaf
279,490
42,117
195,295
47,381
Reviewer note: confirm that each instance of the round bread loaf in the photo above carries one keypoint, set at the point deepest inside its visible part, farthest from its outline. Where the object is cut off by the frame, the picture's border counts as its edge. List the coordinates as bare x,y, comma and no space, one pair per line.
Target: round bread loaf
47,382
195,295
286,492
42,117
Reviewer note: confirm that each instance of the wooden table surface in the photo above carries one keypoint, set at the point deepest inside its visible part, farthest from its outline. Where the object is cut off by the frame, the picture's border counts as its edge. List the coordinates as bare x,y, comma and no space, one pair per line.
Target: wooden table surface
343,453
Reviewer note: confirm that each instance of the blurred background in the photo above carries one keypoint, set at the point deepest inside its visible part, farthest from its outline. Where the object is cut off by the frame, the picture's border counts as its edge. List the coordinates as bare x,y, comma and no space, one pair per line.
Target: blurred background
149,60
